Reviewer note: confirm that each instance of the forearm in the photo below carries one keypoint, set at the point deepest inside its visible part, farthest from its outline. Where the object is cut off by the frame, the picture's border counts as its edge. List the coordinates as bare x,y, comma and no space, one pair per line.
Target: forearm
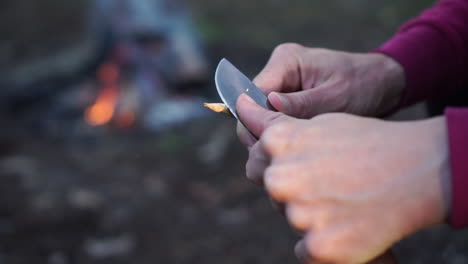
433,50
387,77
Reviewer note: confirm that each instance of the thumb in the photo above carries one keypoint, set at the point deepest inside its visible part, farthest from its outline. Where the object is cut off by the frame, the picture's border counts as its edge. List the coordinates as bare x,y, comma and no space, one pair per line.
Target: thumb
282,72
256,118
305,104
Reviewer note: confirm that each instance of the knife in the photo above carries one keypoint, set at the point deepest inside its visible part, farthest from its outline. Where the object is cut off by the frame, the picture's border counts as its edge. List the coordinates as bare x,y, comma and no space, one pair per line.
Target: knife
231,83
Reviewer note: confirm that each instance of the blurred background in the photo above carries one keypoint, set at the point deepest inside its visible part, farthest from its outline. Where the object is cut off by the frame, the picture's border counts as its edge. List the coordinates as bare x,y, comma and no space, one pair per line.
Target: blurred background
106,153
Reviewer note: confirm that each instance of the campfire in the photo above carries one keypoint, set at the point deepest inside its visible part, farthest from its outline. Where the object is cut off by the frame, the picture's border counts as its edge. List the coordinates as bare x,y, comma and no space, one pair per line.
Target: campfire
149,58
103,109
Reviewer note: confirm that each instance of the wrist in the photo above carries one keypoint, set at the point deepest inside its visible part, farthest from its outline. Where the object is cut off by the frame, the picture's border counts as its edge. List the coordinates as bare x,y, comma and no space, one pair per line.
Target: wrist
431,202
442,189
387,78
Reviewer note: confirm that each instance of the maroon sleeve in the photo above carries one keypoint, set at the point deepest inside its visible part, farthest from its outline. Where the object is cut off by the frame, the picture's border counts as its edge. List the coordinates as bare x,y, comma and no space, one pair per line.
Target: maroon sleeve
457,128
433,50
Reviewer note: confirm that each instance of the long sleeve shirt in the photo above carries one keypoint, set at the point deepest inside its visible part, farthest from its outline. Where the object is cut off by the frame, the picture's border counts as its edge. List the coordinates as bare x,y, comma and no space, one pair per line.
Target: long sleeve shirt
433,50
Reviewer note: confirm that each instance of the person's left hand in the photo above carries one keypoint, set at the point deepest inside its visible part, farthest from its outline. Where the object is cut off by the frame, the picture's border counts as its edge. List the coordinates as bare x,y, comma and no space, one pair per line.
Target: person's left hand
354,186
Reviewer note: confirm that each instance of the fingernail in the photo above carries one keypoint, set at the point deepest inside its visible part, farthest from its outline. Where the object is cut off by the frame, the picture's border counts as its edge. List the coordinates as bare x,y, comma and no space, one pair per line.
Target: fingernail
279,102
247,98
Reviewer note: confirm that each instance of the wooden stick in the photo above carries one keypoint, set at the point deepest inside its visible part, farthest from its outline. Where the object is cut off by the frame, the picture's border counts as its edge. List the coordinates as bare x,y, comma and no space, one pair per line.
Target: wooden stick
218,108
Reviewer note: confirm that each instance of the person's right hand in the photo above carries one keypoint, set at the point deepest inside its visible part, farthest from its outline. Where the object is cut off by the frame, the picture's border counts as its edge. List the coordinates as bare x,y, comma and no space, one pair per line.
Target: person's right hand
354,186
304,82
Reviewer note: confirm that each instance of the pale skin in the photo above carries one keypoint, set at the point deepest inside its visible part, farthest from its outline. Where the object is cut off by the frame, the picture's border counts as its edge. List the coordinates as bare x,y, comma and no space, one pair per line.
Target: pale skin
352,185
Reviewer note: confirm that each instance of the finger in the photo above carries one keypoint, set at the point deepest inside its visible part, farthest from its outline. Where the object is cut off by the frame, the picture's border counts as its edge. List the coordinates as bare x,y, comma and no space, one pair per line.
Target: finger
282,72
302,254
328,248
298,104
301,251
256,164
299,216
285,183
308,103
256,118
244,135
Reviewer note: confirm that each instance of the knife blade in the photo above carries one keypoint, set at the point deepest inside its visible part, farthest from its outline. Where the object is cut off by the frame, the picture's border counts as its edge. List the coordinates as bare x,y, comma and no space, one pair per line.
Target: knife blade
231,83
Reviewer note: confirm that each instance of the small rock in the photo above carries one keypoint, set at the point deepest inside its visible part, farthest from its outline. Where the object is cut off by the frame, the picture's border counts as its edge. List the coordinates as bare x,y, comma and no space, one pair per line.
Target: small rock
101,248
155,186
234,216
23,167
57,257
84,199
44,201
207,194
188,214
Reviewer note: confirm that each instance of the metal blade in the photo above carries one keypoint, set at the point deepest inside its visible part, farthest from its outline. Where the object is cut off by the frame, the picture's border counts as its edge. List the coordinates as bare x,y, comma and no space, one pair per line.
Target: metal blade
231,83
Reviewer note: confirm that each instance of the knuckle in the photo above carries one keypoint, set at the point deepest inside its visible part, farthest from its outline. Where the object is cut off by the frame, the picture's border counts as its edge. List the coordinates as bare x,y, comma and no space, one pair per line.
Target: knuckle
326,248
313,216
276,136
253,175
256,154
273,185
321,249
256,164
298,217
320,220
287,48
272,174
277,130
302,105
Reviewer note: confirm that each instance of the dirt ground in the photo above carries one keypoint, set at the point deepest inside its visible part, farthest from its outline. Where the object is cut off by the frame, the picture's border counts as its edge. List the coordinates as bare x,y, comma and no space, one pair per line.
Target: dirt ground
180,196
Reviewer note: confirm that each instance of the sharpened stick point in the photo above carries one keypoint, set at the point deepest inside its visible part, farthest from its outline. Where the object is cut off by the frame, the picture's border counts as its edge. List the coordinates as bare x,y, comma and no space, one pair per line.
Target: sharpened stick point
218,108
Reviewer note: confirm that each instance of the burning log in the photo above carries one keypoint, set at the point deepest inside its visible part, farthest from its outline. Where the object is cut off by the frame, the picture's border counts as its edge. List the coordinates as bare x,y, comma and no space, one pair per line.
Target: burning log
218,108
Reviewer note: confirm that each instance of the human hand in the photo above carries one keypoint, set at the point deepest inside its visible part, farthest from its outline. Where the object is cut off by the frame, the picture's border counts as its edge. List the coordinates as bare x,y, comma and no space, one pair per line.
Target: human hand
304,82
354,186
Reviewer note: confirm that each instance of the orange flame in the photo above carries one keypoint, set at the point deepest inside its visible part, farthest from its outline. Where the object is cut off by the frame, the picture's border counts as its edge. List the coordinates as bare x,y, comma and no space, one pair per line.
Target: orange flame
103,109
